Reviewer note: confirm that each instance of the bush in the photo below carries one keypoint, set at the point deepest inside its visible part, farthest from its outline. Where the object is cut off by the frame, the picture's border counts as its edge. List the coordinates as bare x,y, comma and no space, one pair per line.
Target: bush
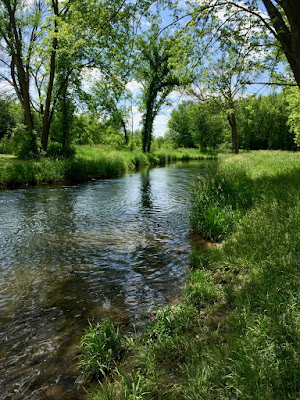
24,142
6,146
55,150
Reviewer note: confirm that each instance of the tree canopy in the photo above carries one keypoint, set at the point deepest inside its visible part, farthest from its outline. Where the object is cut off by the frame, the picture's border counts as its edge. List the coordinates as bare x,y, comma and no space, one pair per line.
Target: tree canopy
213,49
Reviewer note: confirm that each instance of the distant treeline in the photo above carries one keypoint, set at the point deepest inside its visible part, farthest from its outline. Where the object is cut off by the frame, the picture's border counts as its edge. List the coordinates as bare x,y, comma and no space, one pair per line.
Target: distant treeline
269,122
263,123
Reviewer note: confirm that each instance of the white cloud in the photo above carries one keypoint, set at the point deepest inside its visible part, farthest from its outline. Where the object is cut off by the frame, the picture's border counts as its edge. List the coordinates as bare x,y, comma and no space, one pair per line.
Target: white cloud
134,86
161,124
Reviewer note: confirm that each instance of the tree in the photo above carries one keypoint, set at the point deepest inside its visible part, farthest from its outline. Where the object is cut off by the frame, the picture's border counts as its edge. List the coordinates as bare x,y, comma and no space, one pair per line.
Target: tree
109,96
263,122
293,98
37,35
7,116
179,127
158,78
197,125
222,81
278,18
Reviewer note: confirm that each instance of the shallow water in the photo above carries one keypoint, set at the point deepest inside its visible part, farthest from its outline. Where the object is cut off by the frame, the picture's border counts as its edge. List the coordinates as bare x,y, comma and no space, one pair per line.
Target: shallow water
69,254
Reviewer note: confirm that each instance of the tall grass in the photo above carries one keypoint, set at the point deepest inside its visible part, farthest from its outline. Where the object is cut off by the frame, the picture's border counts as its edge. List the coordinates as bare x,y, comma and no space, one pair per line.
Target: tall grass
236,334
90,162
99,349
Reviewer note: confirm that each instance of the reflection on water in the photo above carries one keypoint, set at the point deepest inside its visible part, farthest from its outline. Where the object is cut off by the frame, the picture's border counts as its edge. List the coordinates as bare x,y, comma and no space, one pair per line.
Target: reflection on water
69,254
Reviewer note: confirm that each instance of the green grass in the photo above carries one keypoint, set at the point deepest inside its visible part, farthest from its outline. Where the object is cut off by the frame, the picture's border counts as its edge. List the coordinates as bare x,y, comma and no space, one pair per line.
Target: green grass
90,162
236,334
99,349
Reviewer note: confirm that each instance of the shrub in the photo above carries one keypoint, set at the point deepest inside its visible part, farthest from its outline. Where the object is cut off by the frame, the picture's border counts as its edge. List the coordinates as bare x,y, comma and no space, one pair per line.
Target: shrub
6,146
56,151
24,142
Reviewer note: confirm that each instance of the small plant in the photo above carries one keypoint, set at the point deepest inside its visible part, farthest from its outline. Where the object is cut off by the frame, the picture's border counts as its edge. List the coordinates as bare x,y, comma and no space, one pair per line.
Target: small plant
171,321
100,348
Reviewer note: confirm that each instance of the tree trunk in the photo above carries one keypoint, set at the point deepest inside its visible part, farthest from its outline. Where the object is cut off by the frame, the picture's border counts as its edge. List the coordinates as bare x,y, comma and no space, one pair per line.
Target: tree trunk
234,132
46,116
125,130
21,82
288,35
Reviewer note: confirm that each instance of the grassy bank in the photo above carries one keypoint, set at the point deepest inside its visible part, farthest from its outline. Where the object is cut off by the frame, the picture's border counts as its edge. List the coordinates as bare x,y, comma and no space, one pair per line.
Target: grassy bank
236,333
90,162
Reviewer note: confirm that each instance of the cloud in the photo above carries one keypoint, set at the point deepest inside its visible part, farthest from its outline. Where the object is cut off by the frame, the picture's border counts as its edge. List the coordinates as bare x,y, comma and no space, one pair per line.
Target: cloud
134,86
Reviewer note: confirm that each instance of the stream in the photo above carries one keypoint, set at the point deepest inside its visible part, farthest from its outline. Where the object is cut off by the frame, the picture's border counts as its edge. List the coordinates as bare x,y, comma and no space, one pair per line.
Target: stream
73,254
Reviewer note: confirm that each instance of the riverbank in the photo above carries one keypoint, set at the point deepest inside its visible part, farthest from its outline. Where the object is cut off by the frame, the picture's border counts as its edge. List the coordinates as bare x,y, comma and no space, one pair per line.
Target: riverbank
90,162
235,335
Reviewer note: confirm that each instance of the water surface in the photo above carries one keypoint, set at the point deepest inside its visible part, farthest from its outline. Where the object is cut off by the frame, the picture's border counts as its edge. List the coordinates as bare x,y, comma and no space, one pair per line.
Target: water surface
69,254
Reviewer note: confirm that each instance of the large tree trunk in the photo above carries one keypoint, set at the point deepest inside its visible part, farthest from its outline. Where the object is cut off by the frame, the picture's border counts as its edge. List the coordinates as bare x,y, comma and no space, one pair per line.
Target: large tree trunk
288,35
147,128
46,117
234,132
21,82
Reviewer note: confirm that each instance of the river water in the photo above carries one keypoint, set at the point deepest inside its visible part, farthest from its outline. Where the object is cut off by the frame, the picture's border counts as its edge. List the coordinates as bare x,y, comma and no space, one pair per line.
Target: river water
69,254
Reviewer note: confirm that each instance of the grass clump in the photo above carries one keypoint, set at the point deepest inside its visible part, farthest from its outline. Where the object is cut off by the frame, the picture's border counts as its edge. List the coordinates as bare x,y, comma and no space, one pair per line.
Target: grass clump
100,348
219,203
201,289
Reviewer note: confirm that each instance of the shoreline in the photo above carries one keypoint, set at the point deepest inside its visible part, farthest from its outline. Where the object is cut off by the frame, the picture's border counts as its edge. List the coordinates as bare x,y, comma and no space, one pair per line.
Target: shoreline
91,163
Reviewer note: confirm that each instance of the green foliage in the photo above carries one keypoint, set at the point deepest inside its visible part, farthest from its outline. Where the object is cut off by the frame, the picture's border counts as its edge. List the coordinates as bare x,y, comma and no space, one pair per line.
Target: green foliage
201,289
180,126
197,125
169,322
6,146
61,130
158,77
24,142
294,113
109,101
263,123
57,151
7,117
99,349
219,203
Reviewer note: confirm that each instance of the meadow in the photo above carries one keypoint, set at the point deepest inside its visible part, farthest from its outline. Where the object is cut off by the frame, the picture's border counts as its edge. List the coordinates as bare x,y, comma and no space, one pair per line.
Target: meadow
235,333
89,162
